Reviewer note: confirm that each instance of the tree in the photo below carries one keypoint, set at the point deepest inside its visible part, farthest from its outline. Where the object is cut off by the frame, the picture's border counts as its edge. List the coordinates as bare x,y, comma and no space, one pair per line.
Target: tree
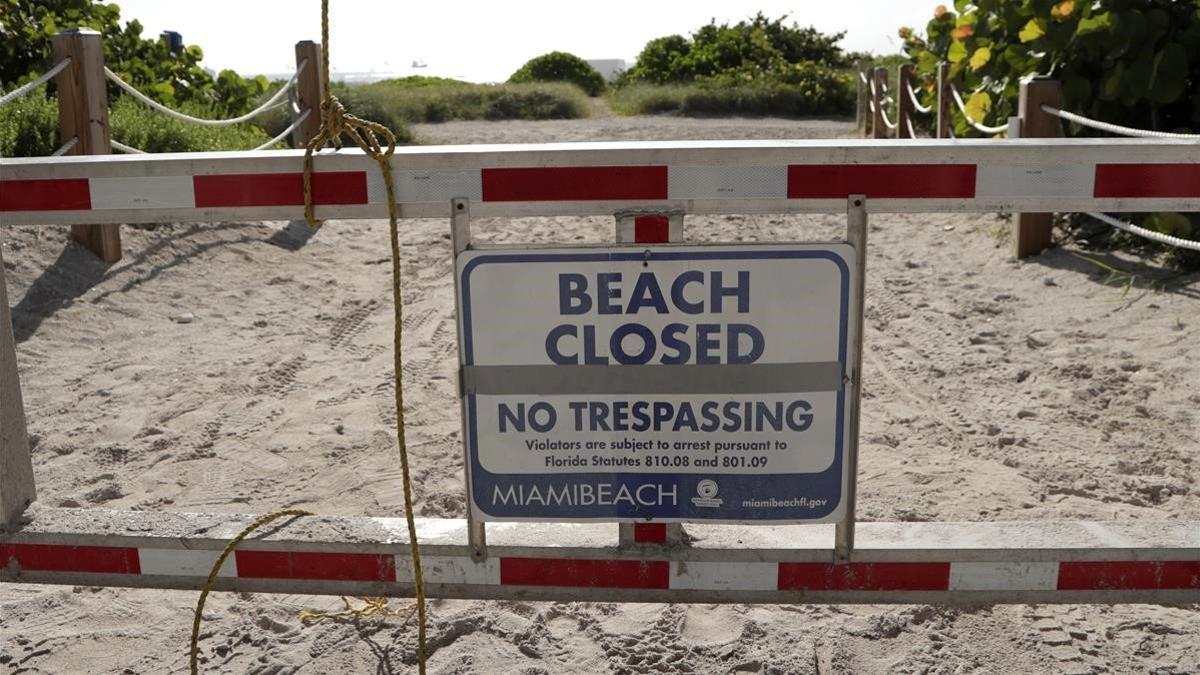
561,67
171,78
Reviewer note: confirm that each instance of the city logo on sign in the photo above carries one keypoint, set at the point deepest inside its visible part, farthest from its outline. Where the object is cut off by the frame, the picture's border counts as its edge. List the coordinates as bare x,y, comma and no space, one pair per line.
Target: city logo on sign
707,489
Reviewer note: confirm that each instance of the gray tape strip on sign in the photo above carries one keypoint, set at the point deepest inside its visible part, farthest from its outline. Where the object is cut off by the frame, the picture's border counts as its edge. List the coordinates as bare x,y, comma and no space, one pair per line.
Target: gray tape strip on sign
755,378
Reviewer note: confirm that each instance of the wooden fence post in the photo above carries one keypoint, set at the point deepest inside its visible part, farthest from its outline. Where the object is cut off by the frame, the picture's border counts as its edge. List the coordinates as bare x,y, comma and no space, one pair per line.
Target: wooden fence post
16,467
83,114
943,100
309,91
1031,232
863,111
904,102
878,128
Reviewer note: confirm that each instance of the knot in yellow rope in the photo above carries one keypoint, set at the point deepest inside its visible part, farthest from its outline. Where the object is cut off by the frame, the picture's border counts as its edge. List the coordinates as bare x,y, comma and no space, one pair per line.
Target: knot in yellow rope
335,122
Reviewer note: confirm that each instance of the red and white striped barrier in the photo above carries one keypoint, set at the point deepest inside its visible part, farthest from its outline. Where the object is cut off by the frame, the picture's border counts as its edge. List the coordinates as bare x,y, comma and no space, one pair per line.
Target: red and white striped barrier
570,179
894,562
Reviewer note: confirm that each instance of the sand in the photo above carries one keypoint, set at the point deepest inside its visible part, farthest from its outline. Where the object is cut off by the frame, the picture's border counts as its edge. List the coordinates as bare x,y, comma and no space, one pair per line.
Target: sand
245,367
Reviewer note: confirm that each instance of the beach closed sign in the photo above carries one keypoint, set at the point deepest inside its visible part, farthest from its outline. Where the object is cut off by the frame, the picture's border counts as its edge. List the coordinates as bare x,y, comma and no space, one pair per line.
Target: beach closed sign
664,383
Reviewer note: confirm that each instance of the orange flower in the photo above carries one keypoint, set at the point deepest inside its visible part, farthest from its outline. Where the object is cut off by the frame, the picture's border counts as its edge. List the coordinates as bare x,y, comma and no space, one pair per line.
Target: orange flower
963,32
1063,9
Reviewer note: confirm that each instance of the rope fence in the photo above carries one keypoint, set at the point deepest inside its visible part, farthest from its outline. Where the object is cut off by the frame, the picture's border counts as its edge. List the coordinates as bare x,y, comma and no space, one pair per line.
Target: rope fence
269,104
1158,237
283,134
65,147
886,122
877,97
127,149
1112,128
41,79
912,96
978,126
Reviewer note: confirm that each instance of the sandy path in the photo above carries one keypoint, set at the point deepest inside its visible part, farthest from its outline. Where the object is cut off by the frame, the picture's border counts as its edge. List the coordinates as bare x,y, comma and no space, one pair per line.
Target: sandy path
995,390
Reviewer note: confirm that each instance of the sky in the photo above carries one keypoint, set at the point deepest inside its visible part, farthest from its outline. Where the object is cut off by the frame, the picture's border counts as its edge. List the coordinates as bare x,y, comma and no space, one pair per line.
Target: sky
484,41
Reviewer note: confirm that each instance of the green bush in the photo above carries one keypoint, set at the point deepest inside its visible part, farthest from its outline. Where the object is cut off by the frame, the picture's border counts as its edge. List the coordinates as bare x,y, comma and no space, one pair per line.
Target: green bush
1129,62
560,67
398,106
419,81
137,126
755,67
171,78
29,128
759,45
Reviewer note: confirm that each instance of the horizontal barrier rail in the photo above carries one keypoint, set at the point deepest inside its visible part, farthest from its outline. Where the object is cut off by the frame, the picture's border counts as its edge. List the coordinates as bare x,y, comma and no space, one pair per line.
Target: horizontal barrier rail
811,176
894,562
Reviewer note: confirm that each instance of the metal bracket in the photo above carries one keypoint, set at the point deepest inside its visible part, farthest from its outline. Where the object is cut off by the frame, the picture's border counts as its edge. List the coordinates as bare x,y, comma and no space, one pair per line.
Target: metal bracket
460,241
856,236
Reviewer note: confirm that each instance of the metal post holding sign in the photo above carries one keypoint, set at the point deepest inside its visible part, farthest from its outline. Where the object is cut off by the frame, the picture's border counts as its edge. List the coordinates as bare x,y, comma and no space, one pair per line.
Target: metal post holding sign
856,236
641,227
460,241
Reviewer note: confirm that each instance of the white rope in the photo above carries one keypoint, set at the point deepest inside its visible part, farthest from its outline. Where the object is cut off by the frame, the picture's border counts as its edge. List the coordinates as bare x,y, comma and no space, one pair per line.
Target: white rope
886,122
283,134
912,133
125,148
24,89
862,77
269,104
978,126
66,147
871,105
1148,234
1112,128
912,96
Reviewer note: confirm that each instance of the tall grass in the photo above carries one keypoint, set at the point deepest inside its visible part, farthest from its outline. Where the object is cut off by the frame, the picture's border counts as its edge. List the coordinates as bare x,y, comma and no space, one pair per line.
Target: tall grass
756,100
397,104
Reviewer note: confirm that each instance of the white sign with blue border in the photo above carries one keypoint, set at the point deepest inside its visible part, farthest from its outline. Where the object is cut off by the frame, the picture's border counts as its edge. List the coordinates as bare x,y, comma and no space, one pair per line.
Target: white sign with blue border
661,383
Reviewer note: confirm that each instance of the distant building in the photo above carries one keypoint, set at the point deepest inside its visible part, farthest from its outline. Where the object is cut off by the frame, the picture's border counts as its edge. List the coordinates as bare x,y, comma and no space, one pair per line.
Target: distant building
609,68
174,40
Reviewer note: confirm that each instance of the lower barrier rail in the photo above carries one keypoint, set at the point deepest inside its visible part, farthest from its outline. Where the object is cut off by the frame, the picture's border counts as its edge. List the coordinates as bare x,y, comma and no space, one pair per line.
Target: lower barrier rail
985,562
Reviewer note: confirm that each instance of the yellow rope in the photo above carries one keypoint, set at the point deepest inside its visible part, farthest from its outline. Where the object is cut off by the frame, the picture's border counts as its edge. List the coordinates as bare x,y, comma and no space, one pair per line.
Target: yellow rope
216,569
335,121
371,607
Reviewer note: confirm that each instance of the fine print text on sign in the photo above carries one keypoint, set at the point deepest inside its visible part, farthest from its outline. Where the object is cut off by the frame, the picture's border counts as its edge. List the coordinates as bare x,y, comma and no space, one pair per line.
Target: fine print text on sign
664,383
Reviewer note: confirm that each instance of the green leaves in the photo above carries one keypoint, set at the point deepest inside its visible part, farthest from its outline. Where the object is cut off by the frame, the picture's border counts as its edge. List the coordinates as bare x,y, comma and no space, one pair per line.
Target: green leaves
978,106
980,58
1033,30
1169,81
1130,62
1094,23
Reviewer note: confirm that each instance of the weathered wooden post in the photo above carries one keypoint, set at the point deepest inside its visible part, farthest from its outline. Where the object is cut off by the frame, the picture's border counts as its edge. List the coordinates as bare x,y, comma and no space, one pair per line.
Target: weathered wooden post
904,103
309,91
943,100
862,111
83,114
1031,232
16,467
878,128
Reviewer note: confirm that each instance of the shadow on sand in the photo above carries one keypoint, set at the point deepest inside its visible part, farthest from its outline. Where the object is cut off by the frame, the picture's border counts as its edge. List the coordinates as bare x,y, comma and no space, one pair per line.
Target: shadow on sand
76,271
